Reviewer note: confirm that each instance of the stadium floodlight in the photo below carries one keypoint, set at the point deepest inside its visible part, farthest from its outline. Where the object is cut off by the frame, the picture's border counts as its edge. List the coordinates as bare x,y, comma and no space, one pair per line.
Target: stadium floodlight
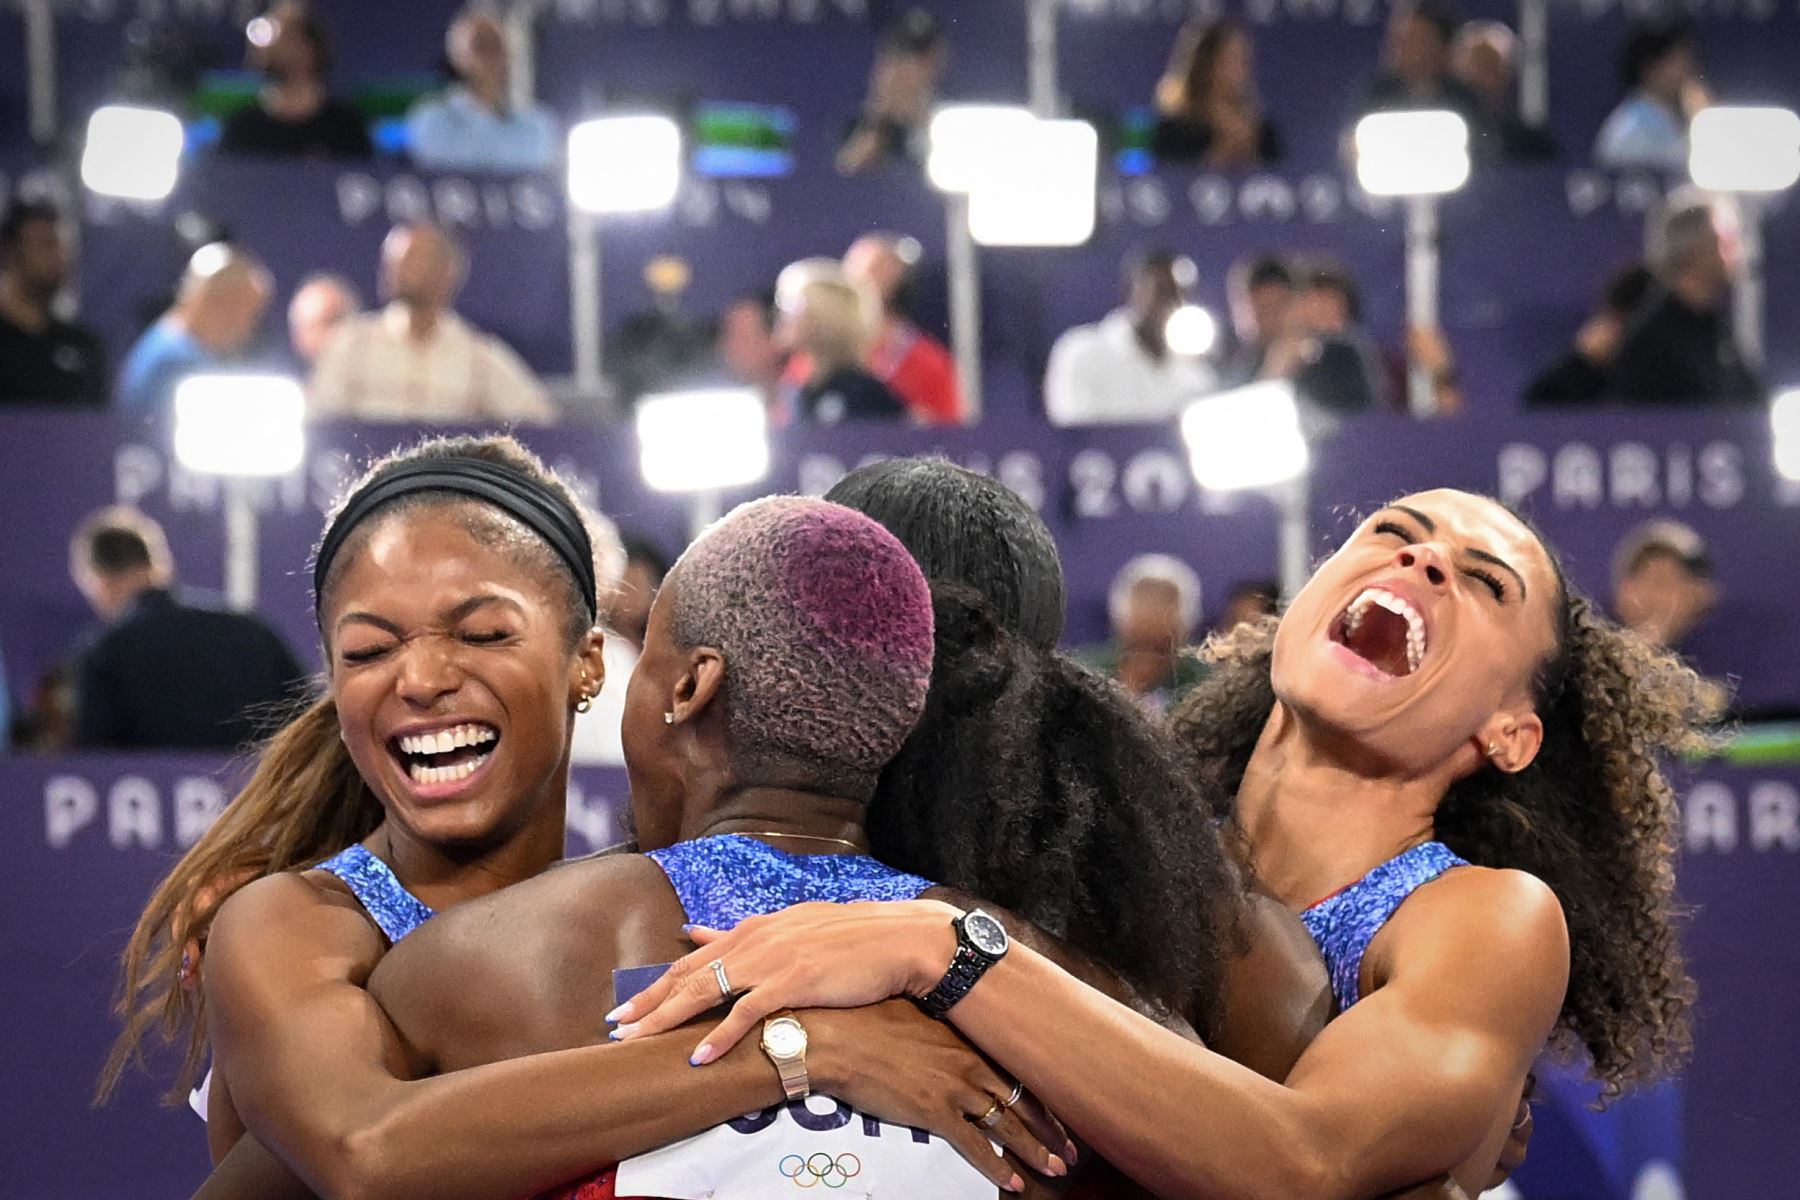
1744,149
1244,438
1422,153
1251,438
624,164
702,441
1191,331
1043,191
242,428
239,425
132,153
1784,424
965,142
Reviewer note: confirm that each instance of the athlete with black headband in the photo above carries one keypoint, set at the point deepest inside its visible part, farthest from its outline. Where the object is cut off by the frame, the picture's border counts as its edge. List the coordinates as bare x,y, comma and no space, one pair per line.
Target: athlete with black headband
456,604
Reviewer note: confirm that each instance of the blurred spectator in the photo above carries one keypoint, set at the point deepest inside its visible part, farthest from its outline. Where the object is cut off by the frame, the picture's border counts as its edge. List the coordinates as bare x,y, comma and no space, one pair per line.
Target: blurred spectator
1483,59
1207,109
166,673
1154,608
294,114
46,724
826,323
321,303
1248,601
472,125
1579,376
1680,348
662,348
915,366
1121,370
628,613
1660,69
218,309
43,360
1260,291
903,83
747,347
1333,363
416,360
1662,582
1415,66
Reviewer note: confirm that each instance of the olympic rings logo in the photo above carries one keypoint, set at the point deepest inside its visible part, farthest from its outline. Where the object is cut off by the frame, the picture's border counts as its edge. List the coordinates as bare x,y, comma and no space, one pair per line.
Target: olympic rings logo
820,1168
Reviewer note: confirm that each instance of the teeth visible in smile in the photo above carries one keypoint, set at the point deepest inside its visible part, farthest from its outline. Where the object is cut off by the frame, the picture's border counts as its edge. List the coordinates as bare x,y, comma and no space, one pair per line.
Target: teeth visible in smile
445,740
1415,624
453,774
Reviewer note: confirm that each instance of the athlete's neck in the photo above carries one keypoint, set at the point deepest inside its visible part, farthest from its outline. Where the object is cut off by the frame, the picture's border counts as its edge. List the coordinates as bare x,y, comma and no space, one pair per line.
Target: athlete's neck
809,822
1316,819
443,875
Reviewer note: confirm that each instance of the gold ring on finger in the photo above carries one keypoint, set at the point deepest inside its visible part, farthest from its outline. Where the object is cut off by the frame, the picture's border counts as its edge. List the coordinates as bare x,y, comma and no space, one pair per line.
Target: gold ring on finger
991,1117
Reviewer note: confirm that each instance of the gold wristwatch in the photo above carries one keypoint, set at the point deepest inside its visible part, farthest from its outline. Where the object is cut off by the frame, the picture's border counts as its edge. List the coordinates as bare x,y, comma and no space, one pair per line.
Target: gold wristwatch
784,1041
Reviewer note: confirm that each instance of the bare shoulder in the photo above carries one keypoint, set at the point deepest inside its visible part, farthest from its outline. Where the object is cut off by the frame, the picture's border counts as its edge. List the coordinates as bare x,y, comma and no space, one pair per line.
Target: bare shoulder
293,917
496,977
1499,929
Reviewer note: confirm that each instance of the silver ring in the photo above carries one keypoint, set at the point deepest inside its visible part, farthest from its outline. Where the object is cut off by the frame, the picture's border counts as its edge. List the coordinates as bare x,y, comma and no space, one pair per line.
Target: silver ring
1017,1093
718,970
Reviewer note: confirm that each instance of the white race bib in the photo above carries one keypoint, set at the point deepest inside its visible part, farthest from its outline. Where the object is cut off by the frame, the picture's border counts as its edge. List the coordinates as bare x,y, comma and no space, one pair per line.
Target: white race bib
817,1147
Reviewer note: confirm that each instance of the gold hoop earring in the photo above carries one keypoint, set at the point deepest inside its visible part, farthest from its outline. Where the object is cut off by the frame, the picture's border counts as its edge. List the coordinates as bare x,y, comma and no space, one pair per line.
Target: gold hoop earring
585,704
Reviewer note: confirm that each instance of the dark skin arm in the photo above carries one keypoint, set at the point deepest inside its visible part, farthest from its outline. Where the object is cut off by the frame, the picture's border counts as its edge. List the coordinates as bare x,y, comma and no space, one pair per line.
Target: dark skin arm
330,1093
1462,987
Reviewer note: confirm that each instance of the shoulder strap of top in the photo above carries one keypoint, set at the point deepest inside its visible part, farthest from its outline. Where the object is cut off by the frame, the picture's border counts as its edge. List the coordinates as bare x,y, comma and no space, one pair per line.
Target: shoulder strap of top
1345,922
394,909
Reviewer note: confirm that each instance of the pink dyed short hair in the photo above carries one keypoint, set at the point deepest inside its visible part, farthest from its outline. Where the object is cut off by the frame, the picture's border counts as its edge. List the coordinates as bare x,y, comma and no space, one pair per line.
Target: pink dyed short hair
825,623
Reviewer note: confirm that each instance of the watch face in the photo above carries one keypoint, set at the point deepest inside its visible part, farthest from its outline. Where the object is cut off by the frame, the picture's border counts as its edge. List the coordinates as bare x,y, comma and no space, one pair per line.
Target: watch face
985,934
784,1039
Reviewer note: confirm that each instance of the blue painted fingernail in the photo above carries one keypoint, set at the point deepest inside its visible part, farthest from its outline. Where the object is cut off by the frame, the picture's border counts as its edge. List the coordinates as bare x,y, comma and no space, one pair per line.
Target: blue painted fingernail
688,929
702,1056
619,1014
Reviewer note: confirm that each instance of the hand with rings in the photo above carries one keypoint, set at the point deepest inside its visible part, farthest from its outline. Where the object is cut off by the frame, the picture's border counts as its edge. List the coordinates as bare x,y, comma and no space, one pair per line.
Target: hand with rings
893,1062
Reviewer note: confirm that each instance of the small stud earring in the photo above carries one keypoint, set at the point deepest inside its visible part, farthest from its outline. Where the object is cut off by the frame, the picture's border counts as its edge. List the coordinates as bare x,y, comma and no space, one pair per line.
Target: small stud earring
668,718
1492,749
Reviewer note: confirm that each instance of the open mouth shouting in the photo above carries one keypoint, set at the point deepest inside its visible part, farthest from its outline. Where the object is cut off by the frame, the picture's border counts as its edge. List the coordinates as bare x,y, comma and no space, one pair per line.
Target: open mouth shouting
440,762
1384,630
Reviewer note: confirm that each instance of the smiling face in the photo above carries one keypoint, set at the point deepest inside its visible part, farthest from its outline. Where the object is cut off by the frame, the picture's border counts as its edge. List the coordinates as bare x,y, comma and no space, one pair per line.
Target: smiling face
454,676
1423,634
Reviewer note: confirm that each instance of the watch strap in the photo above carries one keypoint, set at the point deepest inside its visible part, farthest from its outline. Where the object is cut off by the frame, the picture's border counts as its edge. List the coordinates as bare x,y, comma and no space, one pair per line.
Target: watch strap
967,966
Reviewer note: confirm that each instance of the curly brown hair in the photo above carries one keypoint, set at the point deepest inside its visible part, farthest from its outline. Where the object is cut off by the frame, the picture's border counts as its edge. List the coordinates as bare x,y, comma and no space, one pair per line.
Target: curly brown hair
1594,816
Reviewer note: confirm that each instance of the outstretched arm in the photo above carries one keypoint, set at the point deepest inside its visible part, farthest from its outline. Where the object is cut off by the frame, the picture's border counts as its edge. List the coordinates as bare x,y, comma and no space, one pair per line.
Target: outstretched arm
1410,1083
321,1076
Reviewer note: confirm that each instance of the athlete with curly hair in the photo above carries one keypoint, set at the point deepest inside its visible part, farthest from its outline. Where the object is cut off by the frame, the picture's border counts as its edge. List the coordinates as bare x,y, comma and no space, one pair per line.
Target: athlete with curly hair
1452,769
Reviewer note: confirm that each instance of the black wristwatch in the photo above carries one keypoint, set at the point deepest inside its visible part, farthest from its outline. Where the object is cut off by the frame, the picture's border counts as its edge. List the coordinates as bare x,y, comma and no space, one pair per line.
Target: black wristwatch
981,942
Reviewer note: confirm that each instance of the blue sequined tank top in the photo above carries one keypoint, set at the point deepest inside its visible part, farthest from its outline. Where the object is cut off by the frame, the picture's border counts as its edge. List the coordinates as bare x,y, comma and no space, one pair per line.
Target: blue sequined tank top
394,909
1344,923
726,879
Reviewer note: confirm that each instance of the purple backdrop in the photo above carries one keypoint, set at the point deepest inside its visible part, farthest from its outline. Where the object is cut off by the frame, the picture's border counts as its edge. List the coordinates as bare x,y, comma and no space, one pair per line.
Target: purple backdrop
90,835
1108,494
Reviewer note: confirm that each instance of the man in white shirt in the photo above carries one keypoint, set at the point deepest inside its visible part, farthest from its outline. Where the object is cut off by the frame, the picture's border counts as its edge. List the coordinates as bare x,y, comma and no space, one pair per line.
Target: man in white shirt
1121,370
416,360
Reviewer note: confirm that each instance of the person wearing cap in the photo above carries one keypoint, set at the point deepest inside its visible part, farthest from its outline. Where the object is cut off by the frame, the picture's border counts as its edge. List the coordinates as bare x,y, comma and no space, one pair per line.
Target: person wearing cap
1662,582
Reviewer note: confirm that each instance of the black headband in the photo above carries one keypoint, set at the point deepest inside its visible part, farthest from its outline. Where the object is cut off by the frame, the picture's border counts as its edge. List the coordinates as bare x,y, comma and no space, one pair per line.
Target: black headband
540,508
